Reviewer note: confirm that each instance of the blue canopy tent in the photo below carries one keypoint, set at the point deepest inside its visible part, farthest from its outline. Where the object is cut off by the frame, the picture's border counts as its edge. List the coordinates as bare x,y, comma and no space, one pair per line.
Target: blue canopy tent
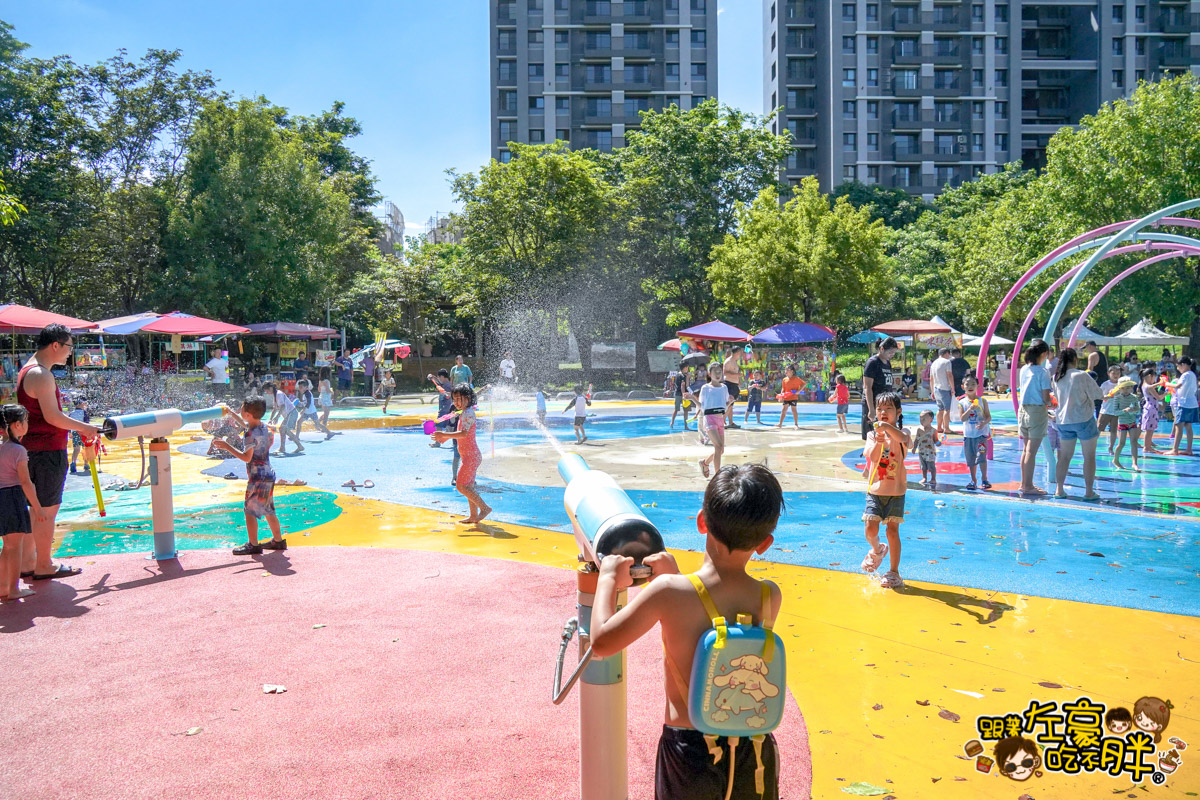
868,337
794,333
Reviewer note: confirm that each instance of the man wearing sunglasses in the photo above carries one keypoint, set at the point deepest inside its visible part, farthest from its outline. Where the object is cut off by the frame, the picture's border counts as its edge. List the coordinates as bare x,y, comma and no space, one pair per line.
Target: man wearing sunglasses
1017,757
46,442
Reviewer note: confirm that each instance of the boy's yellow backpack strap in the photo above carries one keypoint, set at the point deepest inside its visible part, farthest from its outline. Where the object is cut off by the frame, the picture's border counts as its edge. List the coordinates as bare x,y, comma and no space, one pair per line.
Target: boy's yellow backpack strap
768,623
711,609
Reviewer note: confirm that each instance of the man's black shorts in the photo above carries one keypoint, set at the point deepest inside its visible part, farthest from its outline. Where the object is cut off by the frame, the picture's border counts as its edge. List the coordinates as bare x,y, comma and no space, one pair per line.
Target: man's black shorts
685,770
48,471
735,392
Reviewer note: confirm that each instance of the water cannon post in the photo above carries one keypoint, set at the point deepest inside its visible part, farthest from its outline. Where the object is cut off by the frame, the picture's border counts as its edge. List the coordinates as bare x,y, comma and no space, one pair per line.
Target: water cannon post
605,521
158,425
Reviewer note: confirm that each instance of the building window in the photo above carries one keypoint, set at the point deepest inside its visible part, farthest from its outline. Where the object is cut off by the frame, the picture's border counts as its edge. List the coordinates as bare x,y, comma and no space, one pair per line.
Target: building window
562,37
872,45
563,135
697,99
848,172
506,41
977,13
599,107
1002,78
945,112
977,109
906,177
1002,142
672,38
537,104
673,6
847,44
639,40
1001,45
772,71
906,47
537,135
906,79
505,157
772,12
670,100
976,170
1139,46
849,141
848,12
561,5
872,77
1118,46
873,142
872,109
977,78
945,15
945,175
562,71
1139,75
1118,79
507,130
698,6
597,8
1001,13
672,71
598,73
507,12
1001,109
849,109
536,37
945,47
535,6
944,144
700,72
1119,14
601,140
508,101
772,41
977,45
1139,13
700,38
637,73
562,105
906,112
976,142
849,78
873,174
508,71
634,106
872,12
599,41
945,79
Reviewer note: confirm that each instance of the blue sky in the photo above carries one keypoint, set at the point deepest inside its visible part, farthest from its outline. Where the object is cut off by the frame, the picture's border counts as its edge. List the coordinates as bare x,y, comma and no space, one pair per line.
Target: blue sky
413,72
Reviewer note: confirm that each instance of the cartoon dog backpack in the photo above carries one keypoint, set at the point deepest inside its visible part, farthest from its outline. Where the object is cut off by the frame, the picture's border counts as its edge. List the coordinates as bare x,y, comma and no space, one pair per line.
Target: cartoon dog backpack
737,680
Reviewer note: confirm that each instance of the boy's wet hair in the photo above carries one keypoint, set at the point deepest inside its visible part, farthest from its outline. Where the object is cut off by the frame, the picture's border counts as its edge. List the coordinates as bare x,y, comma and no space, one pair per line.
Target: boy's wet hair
255,407
742,505
893,399
443,373
54,333
970,378
579,388
841,378
1115,368
464,390
926,414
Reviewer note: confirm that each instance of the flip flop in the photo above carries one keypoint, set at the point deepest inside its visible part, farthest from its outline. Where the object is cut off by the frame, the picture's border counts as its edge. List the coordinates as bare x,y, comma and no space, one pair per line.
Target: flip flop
230,476
27,574
368,484
1091,498
63,571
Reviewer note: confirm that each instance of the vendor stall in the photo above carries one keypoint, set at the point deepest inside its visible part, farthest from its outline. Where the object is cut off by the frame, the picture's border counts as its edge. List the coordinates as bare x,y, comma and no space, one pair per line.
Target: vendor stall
794,343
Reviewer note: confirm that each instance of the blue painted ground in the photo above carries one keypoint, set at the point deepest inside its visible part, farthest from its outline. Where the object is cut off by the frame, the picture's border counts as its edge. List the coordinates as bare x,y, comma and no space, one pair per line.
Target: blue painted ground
1070,551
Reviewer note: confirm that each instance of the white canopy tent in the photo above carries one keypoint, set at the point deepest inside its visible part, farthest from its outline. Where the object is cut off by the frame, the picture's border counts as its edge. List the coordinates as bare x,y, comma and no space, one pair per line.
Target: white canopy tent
1146,334
977,341
935,318
1086,335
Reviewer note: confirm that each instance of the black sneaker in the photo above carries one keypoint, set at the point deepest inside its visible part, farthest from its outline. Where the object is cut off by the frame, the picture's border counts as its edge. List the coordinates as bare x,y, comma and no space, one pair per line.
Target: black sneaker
274,545
248,550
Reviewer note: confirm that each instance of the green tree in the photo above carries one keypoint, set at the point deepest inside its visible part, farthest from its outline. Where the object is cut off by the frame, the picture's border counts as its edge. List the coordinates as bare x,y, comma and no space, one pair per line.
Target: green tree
10,207
258,227
682,177
896,207
806,260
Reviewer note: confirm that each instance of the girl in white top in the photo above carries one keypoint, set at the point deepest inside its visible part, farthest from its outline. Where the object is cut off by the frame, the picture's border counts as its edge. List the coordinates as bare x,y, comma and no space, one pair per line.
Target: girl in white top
1077,394
325,390
713,397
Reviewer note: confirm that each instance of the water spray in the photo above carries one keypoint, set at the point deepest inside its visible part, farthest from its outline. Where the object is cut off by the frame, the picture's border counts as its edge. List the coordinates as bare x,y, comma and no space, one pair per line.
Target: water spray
157,425
606,522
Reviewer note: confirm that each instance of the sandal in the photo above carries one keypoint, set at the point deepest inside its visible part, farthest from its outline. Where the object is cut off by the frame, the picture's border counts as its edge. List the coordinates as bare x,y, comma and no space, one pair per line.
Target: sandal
971,486
703,467
63,571
891,580
368,484
874,558
230,476
986,485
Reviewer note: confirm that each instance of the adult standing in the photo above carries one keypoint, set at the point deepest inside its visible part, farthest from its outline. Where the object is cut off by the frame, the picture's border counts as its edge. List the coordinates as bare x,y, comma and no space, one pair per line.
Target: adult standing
218,374
959,367
1033,416
369,373
732,378
508,369
345,370
877,379
46,442
460,372
1101,363
1077,393
301,366
941,381
1093,371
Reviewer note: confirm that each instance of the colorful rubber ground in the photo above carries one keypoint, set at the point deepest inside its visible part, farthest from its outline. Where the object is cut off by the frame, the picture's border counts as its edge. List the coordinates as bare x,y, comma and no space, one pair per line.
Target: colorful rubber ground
1008,601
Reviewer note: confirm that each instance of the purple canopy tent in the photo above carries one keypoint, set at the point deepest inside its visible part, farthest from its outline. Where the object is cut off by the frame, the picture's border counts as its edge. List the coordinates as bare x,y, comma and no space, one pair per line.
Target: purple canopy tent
794,333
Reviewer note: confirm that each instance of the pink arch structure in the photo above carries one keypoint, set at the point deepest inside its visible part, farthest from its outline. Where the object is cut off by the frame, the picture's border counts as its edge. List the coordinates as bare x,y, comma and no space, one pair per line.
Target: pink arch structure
1097,238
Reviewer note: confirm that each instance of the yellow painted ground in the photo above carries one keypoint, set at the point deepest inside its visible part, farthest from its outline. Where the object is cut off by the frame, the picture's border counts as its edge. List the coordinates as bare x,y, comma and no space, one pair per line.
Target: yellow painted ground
862,661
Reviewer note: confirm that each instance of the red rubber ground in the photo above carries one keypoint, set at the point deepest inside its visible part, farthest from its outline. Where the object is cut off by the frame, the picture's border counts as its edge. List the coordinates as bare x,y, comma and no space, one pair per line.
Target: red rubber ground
430,679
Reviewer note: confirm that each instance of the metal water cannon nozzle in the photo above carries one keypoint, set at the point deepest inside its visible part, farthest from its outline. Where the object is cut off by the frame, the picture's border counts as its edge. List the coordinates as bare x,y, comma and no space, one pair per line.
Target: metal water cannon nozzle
155,424
605,520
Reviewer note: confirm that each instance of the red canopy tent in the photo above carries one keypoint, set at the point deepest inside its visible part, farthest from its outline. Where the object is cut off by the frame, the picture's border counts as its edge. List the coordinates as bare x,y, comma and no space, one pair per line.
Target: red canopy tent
715,331
180,324
23,319
903,327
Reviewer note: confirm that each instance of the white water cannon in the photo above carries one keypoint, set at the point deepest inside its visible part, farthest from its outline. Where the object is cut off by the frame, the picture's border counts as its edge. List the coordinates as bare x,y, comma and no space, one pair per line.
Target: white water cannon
606,522
156,425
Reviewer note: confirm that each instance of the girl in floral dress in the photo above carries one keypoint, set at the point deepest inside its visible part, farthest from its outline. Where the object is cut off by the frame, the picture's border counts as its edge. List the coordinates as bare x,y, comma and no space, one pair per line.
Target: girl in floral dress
468,449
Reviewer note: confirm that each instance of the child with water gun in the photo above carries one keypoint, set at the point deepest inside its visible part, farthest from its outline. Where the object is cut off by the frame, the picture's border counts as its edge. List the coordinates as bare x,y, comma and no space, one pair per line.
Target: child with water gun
977,429
887,483
1128,408
1152,397
1188,412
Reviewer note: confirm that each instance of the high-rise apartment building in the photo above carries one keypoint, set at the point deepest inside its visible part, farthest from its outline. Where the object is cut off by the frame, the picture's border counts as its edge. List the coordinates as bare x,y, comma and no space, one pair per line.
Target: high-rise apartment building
922,94
582,70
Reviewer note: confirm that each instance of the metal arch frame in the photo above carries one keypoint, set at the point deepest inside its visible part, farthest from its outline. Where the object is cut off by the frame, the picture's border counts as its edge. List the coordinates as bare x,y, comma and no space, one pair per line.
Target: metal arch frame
1077,245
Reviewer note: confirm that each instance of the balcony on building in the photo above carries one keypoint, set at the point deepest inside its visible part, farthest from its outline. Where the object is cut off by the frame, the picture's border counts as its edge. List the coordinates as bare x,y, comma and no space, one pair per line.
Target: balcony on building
947,51
1174,53
907,148
1177,19
1047,106
800,12
800,42
906,51
946,18
506,14
907,19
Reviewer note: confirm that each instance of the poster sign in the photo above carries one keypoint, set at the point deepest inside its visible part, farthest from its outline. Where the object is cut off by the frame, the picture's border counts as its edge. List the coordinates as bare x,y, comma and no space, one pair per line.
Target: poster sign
291,350
325,357
663,360
614,355
936,341
190,347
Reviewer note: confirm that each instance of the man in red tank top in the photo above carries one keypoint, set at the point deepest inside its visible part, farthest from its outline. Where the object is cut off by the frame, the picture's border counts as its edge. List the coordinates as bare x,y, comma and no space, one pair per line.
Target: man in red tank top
47,445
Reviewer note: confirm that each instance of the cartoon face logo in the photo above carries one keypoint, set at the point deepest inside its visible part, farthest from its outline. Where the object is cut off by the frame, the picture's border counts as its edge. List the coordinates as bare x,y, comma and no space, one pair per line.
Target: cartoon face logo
1017,757
1151,715
1118,720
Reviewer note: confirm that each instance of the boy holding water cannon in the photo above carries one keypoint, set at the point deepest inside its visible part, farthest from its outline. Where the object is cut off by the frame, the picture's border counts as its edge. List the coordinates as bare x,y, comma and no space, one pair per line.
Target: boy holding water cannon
738,517
260,478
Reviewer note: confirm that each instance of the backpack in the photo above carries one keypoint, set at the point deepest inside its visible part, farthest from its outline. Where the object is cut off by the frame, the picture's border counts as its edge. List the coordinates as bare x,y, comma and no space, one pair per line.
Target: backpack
737,680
